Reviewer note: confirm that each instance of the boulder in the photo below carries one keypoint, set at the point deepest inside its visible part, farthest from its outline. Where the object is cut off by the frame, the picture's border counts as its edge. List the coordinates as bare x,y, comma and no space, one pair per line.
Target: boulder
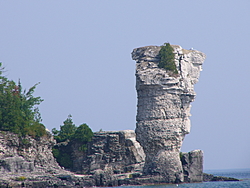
192,163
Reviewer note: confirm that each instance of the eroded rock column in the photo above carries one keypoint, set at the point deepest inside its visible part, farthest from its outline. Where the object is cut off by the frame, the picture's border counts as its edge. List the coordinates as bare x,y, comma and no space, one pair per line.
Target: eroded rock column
163,108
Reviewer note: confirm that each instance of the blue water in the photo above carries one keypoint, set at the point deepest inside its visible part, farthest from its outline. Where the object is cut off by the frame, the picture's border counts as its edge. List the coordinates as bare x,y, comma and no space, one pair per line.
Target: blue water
243,174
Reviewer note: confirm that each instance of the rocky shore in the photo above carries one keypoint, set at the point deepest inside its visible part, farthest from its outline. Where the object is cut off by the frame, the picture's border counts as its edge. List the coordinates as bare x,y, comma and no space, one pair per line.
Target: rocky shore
149,155
114,158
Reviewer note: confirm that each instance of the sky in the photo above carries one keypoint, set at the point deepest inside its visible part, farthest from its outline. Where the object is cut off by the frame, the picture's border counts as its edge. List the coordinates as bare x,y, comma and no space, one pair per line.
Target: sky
80,52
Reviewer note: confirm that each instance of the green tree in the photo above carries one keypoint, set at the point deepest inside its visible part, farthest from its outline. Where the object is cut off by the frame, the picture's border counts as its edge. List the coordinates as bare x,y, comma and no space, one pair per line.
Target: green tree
67,130
19,113
83,135
74,136
167,57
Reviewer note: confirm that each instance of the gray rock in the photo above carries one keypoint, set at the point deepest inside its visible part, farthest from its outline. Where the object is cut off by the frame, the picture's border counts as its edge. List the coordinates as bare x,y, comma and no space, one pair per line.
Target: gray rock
28,162
163,108
16,164
25,154
211,177
115,152
192,163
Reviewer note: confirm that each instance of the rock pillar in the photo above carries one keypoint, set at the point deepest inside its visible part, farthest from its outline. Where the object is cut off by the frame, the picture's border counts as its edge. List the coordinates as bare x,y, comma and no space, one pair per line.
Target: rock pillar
163,108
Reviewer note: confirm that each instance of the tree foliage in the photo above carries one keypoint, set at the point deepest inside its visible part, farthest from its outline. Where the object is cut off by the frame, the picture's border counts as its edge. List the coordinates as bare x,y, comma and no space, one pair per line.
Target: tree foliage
83,134
67,136
167,57
67,130
19,112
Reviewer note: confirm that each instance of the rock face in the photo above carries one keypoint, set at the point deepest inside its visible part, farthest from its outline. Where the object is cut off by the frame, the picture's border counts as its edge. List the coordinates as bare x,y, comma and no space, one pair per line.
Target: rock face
28,162
25,154
192,164
113,158
114,151
163,108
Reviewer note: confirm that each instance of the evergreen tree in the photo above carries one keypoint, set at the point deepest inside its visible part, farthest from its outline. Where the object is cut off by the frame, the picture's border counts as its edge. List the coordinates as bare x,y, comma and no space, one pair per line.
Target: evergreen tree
72,134
67,130
83,135
18,111
167,58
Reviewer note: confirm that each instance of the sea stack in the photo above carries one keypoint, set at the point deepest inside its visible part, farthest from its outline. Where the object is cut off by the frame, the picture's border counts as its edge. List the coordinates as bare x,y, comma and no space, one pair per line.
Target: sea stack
163,108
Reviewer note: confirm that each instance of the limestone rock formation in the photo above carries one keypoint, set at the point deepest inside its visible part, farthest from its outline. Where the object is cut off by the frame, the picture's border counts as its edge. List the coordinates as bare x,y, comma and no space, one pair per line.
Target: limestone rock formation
192,164
163,108
114,151
25,154
28,162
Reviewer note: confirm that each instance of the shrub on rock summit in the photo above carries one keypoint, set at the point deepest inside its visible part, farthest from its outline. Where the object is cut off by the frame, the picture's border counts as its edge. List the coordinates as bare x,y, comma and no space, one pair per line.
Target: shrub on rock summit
66,137
167,56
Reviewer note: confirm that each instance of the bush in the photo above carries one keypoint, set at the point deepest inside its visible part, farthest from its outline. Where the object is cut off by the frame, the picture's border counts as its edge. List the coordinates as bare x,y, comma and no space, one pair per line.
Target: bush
67,130
67,135
83,134
167,57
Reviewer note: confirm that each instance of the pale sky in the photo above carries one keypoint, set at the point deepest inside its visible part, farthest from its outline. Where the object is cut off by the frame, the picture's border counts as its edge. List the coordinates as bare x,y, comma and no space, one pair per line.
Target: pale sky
80,51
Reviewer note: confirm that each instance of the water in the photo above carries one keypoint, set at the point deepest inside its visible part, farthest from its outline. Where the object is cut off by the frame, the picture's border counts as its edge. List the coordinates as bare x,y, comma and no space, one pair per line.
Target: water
243,174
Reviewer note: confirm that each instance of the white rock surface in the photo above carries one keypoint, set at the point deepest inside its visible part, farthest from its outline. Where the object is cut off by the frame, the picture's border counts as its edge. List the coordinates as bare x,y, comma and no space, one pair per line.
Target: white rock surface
25,154
163,108
115,152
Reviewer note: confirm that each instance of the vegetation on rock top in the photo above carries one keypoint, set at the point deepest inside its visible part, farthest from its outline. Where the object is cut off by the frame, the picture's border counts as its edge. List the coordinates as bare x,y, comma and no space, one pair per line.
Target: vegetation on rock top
19,114
68,135
167,57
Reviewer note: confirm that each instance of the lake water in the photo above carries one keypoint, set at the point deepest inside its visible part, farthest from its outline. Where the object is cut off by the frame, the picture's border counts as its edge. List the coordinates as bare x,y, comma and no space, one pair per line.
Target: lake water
243,174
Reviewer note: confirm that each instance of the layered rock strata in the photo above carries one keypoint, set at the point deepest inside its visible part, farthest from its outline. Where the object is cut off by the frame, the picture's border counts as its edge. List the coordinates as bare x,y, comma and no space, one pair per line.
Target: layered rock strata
25,154
163,108
192,164
113,158
29,162
114,151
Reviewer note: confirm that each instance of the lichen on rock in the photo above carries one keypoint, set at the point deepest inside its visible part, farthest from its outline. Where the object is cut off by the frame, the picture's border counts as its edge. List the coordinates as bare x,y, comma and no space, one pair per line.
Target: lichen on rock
163,108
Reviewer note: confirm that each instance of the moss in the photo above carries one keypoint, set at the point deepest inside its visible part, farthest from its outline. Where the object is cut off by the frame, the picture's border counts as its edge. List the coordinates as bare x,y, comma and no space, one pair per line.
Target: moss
21,178
25,143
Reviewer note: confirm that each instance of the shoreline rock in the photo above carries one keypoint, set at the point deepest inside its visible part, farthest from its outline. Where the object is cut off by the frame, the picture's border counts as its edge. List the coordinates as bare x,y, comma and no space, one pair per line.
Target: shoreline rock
77,181
112,145
211,177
